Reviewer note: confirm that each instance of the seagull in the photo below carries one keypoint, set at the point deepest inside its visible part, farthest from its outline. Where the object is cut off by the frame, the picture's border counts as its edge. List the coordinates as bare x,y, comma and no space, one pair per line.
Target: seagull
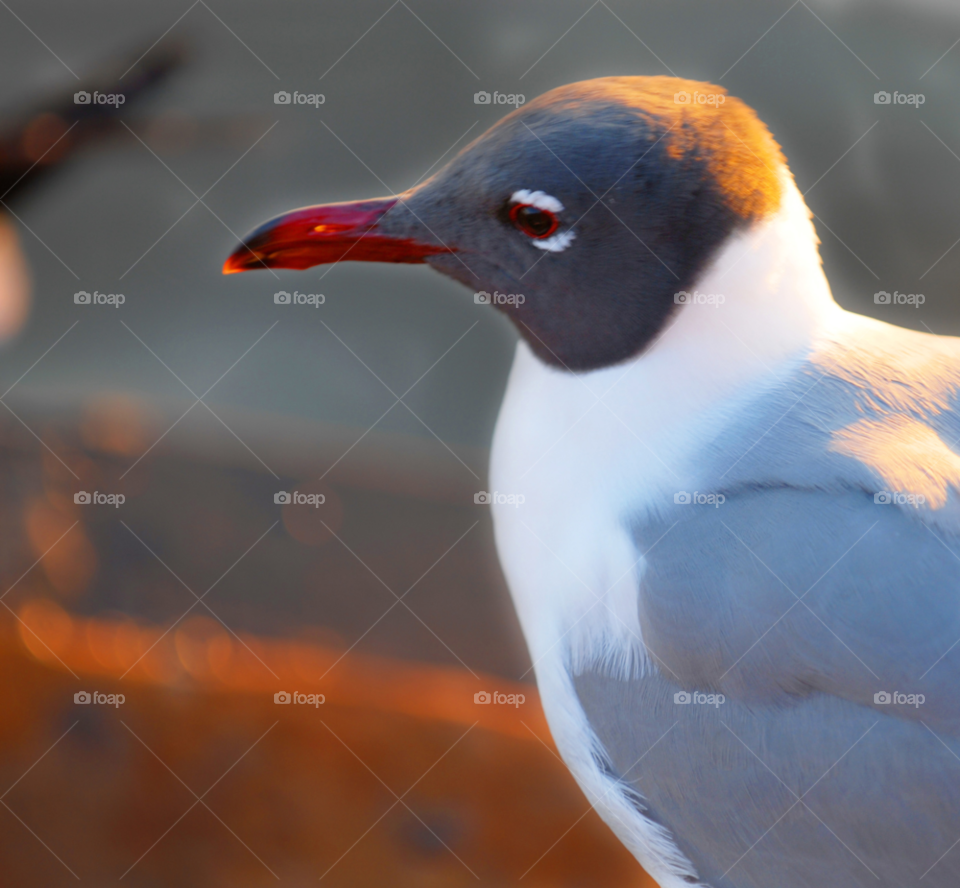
728,511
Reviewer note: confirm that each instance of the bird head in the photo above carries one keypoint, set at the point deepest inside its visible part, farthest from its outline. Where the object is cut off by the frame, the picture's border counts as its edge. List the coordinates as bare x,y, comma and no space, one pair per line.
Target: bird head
597,202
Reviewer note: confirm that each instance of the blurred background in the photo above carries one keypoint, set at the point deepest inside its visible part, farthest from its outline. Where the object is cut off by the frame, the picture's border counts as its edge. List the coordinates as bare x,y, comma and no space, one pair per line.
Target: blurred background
197,398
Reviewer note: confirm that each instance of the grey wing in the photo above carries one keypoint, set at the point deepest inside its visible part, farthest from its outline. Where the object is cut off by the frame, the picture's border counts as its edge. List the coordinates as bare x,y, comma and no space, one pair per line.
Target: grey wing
798,606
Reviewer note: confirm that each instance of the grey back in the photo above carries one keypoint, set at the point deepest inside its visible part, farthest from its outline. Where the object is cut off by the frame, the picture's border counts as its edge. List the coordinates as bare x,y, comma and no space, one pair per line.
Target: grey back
800,599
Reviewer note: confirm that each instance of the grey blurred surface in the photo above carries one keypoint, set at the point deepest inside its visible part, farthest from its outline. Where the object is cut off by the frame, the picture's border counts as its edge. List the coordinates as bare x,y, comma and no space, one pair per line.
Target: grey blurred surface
398,82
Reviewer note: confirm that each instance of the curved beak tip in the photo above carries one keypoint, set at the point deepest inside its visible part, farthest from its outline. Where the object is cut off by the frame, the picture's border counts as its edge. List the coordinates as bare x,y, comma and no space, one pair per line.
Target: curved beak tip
235,263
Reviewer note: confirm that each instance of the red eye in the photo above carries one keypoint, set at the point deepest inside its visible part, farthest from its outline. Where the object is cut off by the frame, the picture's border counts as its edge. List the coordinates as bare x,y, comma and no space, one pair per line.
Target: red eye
533,221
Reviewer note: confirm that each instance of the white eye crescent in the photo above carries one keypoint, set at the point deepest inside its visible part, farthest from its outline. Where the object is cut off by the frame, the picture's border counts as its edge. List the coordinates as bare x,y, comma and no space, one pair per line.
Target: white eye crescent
556,244
539,199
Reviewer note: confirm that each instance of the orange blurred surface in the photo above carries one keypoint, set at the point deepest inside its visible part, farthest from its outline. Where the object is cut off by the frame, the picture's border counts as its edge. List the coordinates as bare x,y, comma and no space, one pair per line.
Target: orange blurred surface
398,777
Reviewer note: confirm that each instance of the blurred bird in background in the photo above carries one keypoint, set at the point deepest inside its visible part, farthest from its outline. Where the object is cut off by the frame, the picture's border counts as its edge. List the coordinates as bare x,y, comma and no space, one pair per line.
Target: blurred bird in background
744,655
38,142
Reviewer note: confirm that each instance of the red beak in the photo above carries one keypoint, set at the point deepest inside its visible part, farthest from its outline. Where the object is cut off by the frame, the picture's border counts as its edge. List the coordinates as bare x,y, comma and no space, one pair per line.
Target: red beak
327,233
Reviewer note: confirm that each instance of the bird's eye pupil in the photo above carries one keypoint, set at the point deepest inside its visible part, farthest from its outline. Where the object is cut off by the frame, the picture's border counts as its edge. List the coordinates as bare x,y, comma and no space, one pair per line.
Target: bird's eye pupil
533,221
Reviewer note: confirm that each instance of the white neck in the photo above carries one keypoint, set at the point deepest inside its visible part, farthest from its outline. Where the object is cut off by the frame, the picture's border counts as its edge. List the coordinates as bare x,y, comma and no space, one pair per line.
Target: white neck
775,302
